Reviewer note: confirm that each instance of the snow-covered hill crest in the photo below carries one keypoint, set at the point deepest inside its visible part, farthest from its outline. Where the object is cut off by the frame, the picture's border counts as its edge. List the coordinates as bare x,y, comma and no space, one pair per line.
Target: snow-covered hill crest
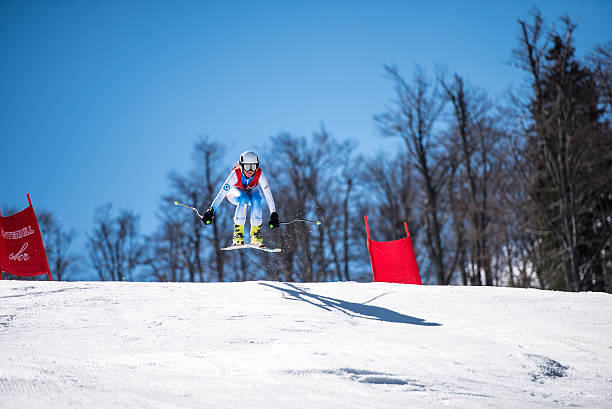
324,345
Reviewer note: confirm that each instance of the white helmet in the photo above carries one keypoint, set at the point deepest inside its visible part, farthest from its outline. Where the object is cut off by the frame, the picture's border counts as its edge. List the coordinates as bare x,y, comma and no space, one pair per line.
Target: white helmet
249,161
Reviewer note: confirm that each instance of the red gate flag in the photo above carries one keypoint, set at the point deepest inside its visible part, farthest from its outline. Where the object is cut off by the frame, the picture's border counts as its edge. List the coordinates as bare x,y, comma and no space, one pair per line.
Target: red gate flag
22,252
393,261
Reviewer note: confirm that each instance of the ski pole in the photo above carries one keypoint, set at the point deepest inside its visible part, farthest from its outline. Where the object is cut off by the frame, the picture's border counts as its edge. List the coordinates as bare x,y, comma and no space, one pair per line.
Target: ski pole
302,220
177,203
317,222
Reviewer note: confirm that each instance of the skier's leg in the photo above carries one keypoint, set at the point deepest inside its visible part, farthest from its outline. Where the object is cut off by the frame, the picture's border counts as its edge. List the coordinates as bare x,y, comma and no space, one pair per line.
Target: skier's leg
234,196
241,200
256,210
256,237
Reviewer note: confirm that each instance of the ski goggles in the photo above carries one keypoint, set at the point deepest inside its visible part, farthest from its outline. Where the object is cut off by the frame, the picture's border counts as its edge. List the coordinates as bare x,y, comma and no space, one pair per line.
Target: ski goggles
249,166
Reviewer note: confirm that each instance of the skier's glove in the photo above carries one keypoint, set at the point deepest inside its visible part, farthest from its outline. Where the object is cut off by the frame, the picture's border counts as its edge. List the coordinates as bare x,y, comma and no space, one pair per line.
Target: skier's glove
274,223
209,216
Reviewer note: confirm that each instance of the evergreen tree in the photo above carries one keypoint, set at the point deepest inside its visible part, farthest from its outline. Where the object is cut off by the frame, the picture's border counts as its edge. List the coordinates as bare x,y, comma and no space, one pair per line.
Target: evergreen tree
569,152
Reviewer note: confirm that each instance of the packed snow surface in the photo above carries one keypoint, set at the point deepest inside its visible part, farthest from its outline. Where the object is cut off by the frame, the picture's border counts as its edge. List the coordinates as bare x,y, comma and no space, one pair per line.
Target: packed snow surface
283,345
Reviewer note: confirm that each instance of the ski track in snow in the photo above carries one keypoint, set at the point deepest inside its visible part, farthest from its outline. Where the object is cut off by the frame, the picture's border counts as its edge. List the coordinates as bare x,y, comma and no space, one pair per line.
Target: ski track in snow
323,345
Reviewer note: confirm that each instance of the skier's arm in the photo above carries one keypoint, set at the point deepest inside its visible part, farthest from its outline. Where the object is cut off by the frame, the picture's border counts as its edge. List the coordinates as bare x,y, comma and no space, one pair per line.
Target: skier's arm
265,188
229,182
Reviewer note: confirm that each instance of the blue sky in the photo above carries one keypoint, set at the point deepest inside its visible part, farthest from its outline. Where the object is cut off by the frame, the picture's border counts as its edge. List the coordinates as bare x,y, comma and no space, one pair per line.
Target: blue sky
100,100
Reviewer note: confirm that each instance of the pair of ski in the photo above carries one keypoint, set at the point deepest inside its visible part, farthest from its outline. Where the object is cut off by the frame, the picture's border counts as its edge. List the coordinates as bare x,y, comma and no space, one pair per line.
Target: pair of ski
244,246
252,246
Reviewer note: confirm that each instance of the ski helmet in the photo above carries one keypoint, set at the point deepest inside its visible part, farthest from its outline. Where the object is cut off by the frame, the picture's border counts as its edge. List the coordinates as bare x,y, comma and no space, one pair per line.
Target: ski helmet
249,161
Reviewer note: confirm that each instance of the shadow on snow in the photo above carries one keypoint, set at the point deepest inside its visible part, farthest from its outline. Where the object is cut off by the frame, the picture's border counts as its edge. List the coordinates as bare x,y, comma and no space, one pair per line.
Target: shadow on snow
353,309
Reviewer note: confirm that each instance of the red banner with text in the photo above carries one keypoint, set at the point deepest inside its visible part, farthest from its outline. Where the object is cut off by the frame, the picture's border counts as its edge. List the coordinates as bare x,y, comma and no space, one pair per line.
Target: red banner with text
22,252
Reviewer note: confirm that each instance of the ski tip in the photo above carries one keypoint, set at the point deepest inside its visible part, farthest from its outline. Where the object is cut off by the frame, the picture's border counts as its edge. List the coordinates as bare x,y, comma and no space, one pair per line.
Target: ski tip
318,223
175,202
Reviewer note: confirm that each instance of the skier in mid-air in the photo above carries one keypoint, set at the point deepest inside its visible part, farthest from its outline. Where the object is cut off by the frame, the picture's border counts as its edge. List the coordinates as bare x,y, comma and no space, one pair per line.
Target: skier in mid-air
243,188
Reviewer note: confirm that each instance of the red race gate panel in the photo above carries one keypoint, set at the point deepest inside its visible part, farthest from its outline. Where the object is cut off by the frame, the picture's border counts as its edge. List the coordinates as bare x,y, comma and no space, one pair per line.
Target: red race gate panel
22,252
393,261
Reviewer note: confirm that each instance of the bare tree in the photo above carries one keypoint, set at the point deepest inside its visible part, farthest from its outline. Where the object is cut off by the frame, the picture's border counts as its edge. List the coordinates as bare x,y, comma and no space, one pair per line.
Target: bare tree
115,245
600,61
208,157
416,112
315,185
165,248
188,189
391,188
182,234
57,242
391,185
567,150
473,142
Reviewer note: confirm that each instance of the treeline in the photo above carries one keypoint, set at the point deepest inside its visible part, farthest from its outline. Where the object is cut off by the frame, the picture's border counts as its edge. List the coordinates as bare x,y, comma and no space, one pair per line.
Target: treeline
516,192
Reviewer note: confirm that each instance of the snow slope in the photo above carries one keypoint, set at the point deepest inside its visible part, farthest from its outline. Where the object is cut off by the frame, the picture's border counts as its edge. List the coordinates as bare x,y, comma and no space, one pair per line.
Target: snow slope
279,345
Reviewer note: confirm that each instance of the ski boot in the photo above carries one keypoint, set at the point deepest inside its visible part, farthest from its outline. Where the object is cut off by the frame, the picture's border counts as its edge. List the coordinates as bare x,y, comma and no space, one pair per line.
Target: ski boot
238,235
256,239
